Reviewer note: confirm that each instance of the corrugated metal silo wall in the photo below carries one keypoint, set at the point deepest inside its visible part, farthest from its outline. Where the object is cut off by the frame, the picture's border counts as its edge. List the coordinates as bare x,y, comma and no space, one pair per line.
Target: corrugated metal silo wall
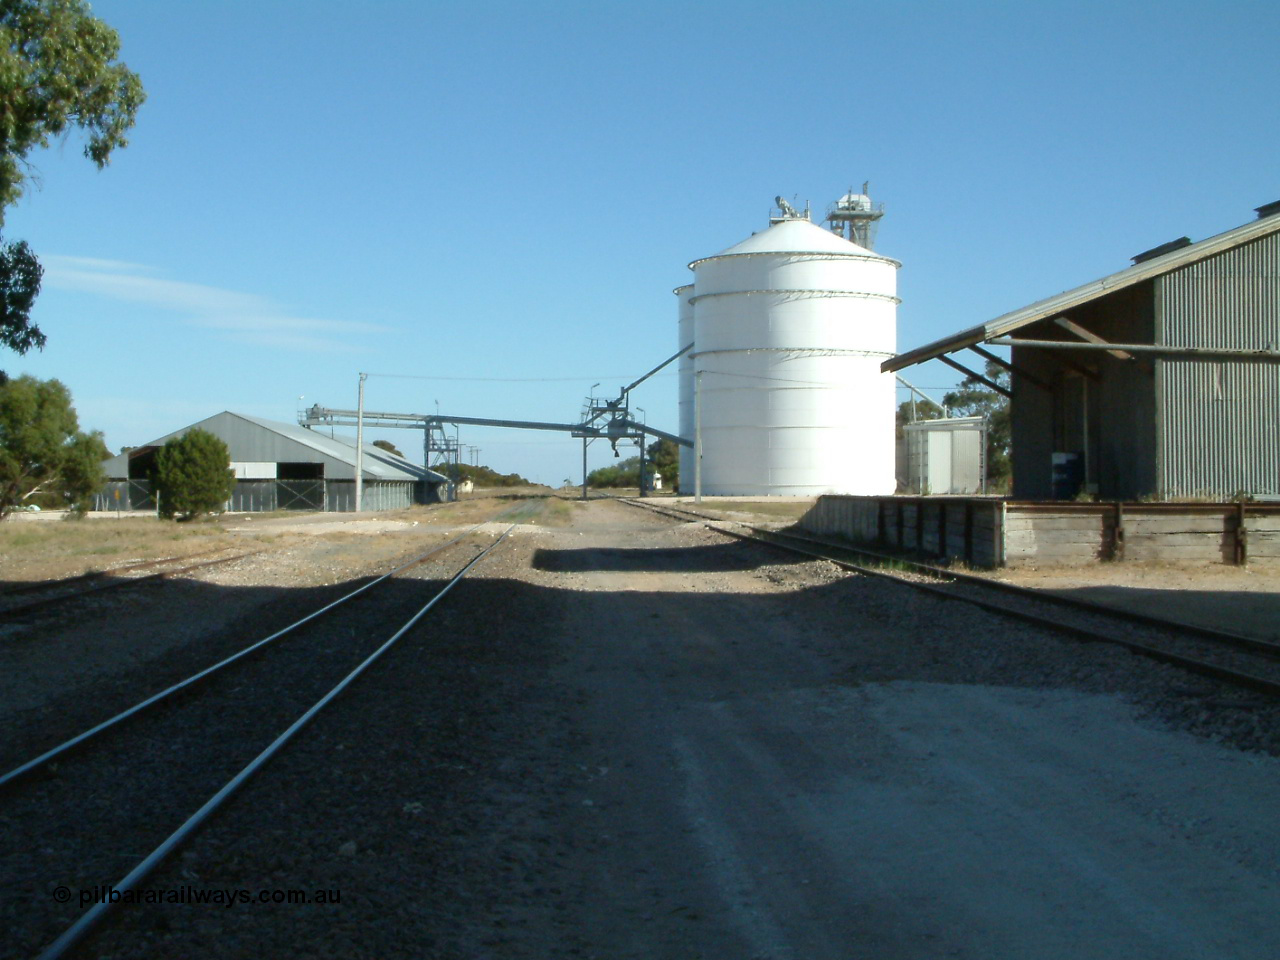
1220,421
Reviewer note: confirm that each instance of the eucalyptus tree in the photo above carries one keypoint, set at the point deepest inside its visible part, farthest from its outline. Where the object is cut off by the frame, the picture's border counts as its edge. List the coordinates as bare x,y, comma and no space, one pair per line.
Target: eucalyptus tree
58,72
42,449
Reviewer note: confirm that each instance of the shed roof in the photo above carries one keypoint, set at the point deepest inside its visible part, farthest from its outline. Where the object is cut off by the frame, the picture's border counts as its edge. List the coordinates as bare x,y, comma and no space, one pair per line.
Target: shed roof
1053,306
378,464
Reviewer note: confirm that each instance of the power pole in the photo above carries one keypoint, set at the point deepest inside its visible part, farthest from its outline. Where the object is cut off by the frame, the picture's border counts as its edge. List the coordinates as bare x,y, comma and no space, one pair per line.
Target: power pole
642,484
644,418
360,445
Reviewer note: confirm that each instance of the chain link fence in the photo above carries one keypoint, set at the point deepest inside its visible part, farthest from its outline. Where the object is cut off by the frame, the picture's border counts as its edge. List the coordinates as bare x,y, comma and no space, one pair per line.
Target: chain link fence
124,495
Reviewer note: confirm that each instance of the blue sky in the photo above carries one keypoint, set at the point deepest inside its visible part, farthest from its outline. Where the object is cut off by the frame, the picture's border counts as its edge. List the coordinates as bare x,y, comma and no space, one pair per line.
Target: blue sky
492,201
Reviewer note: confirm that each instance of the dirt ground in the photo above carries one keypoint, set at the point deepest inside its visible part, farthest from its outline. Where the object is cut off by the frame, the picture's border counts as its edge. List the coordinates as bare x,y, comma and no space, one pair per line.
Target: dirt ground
625,737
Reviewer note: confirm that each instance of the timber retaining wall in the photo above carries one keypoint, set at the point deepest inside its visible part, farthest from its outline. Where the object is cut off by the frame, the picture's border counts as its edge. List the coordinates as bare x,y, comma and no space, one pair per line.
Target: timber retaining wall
989,532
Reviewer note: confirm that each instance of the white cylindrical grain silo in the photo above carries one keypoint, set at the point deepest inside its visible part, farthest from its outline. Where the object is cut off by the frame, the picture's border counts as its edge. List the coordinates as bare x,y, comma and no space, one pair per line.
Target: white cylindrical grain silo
685,331
790,329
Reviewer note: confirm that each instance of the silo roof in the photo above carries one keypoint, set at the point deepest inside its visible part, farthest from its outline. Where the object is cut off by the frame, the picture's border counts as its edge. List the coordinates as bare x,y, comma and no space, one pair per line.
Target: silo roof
797,237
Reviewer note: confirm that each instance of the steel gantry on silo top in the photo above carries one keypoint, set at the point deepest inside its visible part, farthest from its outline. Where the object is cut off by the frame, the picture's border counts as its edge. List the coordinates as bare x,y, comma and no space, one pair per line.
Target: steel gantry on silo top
789,329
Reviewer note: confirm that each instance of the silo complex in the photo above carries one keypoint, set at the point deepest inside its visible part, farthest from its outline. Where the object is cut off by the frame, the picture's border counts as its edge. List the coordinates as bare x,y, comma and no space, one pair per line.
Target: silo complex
789,328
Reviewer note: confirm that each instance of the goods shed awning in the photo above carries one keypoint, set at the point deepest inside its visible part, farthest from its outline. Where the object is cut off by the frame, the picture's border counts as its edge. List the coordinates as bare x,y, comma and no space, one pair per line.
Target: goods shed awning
1000,330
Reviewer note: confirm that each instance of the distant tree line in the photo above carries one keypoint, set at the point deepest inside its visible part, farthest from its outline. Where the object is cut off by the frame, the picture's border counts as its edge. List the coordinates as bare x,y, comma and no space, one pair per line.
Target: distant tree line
624,473
663,459
483,476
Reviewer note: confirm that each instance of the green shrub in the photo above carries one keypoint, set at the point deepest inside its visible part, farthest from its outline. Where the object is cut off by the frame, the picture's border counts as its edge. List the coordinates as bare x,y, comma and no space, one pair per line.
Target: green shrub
193,475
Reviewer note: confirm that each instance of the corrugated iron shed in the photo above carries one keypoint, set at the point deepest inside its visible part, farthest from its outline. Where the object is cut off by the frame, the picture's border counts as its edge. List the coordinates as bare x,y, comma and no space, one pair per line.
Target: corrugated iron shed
1161,380
256,440
1009,323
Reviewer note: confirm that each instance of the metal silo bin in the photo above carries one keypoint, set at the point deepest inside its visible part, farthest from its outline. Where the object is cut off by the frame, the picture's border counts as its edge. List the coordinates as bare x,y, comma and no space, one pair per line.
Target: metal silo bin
685,337
790,328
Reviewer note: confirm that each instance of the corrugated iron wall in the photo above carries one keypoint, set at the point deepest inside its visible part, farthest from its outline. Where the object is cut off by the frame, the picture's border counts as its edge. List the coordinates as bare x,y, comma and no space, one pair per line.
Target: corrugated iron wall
1219,423
251,496
375,495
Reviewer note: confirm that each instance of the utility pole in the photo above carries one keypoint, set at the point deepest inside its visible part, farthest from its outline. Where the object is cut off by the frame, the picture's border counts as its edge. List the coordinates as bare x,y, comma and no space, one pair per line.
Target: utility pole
457,459
642,484
644,417
697,437
360,444
584,468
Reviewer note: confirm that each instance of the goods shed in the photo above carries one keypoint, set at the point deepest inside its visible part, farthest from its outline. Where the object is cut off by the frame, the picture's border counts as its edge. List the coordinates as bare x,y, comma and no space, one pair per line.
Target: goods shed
283,466
1161,381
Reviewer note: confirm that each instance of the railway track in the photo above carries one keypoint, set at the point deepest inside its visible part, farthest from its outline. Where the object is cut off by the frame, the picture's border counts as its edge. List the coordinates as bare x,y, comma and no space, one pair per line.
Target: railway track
60,593
1244,661
247,701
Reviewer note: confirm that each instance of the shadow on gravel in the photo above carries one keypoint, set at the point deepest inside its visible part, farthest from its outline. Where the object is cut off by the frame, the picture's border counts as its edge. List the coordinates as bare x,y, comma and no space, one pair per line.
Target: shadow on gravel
720,558
73,661
1252,613
446,793
78,599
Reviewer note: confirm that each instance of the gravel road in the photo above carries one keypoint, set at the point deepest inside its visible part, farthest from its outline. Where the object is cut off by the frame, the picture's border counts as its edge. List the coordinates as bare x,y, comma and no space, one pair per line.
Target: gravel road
626,737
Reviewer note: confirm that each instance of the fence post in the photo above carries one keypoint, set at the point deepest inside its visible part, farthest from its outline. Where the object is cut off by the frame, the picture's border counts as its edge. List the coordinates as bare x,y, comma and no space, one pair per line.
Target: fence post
1242,536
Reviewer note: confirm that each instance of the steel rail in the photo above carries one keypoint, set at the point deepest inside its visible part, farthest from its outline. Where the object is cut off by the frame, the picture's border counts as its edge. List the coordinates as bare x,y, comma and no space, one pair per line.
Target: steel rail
30,766
1252,644
1238,677
94,915
126,582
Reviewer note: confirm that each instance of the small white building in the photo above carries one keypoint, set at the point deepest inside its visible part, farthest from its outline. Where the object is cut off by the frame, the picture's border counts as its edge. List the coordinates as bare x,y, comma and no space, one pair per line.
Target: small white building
946,456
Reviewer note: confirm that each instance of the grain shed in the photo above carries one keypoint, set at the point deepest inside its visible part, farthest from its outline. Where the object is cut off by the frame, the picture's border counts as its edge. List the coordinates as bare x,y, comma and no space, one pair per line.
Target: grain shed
282,466
1161,381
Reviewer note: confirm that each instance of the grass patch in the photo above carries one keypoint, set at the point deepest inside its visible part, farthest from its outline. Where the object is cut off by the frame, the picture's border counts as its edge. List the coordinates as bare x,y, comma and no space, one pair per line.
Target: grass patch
557,512
40,550
749,509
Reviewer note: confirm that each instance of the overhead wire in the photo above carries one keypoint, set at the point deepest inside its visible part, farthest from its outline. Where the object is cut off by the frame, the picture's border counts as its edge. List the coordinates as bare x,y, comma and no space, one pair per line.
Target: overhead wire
595,376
